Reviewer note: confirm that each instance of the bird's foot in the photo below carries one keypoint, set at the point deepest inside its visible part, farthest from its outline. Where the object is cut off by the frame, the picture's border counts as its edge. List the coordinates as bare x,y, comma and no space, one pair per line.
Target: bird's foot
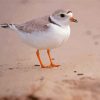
49,66
54,65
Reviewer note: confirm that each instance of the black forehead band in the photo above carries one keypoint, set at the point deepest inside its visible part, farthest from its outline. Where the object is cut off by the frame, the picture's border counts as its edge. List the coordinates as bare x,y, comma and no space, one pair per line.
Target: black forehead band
69,12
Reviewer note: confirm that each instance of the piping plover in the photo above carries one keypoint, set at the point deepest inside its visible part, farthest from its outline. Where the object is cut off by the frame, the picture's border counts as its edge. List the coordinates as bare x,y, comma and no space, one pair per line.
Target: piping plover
45,33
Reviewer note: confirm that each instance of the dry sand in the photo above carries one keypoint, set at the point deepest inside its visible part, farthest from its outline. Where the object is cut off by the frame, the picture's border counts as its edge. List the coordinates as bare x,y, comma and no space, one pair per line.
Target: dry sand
78,77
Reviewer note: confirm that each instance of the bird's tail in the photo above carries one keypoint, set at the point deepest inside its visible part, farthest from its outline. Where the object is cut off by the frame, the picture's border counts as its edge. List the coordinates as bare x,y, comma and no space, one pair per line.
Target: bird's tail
11,26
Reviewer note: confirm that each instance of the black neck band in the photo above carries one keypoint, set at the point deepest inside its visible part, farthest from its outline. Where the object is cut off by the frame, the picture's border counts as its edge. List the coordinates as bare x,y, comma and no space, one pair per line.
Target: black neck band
50,20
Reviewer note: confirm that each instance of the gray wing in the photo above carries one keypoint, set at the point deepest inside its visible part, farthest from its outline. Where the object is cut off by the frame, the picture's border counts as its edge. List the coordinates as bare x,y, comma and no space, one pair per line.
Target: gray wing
35,25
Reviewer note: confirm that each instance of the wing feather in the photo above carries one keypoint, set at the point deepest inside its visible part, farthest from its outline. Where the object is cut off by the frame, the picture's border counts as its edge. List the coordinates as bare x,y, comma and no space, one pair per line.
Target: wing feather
35,25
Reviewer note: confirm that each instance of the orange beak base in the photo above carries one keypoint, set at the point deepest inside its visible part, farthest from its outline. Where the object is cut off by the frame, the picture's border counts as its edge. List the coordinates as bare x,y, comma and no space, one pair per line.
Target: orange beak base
73,20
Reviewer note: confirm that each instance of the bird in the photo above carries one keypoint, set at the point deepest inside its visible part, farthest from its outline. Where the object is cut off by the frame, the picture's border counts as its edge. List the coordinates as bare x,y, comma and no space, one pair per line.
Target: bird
45,33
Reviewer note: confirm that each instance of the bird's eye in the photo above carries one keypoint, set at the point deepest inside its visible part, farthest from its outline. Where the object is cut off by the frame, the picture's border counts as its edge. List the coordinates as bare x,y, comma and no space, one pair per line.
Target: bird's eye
62,15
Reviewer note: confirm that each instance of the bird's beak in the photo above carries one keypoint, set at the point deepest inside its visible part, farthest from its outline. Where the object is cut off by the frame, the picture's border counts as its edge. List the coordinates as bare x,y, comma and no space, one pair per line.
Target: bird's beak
72,19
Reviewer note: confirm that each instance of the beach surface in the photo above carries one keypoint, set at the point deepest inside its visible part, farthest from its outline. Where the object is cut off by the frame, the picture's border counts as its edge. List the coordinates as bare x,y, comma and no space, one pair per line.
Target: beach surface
78,77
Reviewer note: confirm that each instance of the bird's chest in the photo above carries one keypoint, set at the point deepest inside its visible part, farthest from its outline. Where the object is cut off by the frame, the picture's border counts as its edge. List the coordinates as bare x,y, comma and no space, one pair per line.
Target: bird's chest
59,33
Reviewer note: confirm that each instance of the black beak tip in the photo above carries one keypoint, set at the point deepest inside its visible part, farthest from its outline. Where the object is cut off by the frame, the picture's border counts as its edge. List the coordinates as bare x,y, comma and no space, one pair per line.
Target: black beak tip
76,21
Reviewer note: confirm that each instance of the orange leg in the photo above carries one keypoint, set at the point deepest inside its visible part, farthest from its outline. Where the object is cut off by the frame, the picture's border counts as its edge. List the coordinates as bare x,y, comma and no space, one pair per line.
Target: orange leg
51,63
38,56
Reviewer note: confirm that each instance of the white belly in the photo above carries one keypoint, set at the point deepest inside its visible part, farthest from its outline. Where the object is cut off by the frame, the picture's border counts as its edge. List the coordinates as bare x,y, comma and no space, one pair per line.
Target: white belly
53,38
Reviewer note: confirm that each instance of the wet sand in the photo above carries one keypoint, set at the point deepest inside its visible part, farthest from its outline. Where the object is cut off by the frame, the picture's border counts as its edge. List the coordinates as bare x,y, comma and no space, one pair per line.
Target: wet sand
78,77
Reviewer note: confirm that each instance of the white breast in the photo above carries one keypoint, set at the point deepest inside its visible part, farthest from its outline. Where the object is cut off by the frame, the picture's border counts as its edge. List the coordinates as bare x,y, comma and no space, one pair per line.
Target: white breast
52,38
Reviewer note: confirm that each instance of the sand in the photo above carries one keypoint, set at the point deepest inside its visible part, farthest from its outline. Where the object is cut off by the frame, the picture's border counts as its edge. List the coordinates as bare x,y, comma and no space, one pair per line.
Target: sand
78,77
